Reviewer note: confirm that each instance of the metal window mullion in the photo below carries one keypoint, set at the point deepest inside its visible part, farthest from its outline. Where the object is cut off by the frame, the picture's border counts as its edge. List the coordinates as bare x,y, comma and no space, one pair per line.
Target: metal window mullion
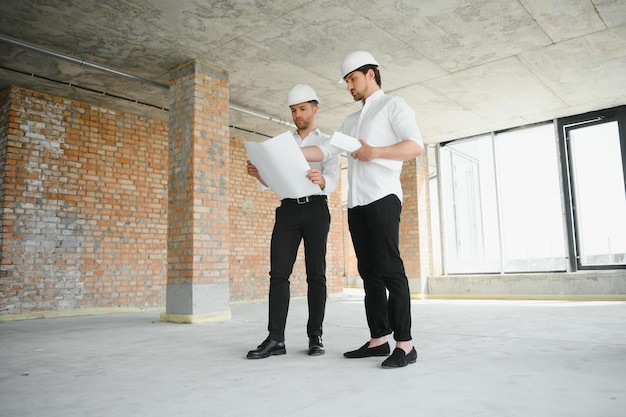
501,233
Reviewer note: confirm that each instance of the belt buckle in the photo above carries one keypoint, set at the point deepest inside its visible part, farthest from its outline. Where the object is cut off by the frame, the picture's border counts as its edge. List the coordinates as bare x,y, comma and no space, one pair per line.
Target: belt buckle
302,200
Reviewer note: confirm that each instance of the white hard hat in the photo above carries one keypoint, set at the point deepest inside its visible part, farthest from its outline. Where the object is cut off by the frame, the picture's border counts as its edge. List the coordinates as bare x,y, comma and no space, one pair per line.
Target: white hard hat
355,60
301,93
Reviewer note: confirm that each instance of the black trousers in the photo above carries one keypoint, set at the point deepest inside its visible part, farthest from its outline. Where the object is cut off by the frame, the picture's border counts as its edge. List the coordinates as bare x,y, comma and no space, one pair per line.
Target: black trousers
296,222
375,235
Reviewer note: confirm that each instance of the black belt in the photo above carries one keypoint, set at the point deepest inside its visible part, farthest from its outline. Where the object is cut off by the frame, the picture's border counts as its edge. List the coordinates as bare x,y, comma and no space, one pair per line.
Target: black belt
303,200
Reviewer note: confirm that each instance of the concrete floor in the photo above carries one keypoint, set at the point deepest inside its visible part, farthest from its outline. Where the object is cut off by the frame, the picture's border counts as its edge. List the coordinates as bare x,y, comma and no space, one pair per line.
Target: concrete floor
476,358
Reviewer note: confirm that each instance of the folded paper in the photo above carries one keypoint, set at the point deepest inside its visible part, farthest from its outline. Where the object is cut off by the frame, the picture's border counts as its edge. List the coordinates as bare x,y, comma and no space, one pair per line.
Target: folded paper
351,144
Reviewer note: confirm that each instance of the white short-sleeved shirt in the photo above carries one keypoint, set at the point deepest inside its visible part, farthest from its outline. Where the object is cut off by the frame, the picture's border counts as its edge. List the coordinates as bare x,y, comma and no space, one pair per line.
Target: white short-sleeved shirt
384,120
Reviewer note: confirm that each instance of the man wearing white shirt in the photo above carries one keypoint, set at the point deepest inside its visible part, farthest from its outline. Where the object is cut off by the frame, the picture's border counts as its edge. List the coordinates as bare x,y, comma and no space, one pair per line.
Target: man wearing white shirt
387,129
305,218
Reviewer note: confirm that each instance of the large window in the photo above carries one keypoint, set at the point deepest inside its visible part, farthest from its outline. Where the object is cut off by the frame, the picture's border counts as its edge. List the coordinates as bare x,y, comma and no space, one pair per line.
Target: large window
502,205
531,214
469,207
598,193
548,197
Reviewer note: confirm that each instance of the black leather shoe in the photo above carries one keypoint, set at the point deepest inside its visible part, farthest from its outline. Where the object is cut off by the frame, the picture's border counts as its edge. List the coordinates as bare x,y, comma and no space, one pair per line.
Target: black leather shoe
399,359
268,348
316,348
365,351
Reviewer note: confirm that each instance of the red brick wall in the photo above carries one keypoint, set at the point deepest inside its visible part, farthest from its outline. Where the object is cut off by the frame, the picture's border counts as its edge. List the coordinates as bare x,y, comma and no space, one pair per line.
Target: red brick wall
4,126
335,265
83,208
251,218
415,227
84,211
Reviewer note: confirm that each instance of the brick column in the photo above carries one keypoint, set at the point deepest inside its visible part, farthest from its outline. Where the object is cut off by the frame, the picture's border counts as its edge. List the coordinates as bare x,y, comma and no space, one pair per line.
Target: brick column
415,226
198,223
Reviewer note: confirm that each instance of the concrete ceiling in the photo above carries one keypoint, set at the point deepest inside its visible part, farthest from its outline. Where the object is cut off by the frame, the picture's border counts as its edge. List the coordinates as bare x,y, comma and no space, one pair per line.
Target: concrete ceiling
465,66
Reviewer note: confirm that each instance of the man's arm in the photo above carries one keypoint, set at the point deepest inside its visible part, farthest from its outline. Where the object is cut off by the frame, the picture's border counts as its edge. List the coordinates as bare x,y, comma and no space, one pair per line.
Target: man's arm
328,176
401,151
312,153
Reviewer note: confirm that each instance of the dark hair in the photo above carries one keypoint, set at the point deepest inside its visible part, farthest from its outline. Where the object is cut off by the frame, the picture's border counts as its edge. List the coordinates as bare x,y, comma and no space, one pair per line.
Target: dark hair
368,67
313,103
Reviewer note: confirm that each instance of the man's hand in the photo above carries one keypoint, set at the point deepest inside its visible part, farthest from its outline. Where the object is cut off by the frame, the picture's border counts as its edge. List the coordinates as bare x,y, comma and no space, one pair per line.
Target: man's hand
365,153
254,172
316,177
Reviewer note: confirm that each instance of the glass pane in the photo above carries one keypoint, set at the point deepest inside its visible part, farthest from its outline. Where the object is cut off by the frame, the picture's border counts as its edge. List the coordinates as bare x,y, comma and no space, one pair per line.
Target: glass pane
600,200
469,207
533,237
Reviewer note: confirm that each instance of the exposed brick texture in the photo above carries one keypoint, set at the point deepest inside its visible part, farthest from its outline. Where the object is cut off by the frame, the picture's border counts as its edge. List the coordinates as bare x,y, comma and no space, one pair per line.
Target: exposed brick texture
415,226
83,206
84,211
199,167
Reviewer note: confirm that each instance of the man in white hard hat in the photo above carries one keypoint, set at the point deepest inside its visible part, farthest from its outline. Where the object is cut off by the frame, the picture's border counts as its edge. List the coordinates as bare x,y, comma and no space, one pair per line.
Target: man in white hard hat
306,218
387,129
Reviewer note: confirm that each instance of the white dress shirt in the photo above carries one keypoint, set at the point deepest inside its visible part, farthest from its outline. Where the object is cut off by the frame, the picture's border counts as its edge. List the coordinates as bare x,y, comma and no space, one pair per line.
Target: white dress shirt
384,120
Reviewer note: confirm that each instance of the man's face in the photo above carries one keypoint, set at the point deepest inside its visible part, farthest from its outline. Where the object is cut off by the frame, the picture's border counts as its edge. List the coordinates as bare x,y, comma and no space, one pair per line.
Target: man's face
357,84
303,114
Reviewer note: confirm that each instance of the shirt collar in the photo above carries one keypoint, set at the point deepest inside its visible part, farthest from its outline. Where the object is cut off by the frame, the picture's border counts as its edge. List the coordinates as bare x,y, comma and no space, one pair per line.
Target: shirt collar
375,96
316,131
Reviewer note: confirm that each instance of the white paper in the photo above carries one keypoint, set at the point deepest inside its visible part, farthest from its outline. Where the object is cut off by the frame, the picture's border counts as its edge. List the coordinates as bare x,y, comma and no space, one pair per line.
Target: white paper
351,144
345,142
282,166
